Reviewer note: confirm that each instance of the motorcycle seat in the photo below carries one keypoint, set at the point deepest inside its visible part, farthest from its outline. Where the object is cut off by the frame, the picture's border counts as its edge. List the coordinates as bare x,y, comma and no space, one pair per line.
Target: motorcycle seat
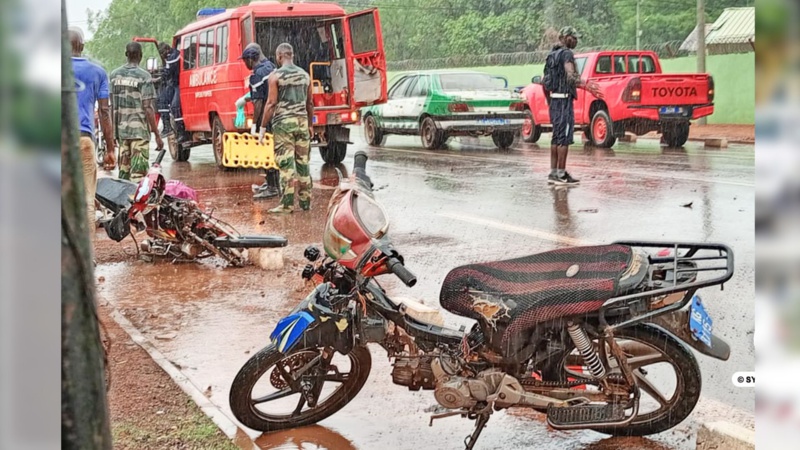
115,194
525,291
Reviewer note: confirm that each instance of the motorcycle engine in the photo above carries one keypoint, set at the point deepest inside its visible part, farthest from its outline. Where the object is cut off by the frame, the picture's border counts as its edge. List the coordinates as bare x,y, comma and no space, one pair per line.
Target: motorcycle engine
414,372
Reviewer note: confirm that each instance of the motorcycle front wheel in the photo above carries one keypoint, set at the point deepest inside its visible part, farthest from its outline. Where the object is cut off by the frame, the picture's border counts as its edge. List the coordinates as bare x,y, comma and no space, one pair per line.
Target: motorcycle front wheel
273,391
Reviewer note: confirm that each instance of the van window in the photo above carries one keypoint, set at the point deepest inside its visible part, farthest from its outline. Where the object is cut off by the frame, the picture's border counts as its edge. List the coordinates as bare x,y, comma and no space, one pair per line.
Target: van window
603,64
247,31
338,40
222,44
362,32
206,48
648,65
633,63
190,51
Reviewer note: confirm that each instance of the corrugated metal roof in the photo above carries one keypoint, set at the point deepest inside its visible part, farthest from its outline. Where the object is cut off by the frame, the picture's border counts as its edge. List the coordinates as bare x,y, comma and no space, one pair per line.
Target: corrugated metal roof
734,26
690,44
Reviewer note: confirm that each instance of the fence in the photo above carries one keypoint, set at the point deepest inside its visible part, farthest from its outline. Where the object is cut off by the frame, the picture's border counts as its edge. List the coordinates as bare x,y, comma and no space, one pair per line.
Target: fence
665,50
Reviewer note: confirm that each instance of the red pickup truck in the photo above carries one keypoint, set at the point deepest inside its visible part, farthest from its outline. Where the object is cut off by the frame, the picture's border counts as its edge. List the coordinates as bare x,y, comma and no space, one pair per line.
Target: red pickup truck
637,98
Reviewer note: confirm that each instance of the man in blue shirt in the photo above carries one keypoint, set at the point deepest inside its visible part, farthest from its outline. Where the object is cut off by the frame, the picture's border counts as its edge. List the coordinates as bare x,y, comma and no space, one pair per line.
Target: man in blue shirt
171,91
262,67
91,83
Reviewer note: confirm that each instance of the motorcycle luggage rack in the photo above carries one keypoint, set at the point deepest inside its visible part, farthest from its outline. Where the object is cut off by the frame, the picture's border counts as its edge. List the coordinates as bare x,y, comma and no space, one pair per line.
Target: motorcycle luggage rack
724,253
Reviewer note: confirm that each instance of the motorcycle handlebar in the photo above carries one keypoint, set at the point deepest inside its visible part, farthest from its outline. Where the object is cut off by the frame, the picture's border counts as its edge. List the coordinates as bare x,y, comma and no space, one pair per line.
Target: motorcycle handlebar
160,156
405,275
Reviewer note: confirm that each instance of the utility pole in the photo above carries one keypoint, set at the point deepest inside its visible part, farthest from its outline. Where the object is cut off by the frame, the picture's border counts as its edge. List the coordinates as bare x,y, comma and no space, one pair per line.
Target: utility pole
701,43
638,27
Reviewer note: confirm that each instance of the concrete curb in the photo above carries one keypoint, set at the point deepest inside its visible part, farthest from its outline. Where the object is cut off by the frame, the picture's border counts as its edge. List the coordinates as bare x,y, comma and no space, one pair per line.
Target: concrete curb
725,435
225,424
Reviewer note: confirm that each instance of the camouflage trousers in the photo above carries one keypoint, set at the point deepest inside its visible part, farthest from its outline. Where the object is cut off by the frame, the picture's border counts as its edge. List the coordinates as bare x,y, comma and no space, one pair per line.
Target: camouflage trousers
134,159
292,144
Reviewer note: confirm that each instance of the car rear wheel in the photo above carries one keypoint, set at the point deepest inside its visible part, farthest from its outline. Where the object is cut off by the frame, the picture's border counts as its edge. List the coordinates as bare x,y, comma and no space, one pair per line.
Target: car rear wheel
601,130
374,134
503,139
432,137
530,131
675,134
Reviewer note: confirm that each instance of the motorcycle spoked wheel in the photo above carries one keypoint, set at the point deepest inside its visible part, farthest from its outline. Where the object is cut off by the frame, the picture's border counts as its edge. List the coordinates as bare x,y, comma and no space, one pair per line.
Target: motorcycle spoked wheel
267,402
658,361
221,228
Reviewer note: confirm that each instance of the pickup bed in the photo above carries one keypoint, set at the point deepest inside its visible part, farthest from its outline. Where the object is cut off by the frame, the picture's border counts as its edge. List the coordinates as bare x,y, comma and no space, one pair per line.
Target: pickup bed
638,98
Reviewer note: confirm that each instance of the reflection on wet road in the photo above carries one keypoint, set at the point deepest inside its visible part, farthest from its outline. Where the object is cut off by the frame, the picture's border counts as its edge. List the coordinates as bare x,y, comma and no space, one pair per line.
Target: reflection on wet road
466,204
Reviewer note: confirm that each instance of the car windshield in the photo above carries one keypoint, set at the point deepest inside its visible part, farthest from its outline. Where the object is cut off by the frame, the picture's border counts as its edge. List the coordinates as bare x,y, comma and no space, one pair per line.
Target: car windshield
469,81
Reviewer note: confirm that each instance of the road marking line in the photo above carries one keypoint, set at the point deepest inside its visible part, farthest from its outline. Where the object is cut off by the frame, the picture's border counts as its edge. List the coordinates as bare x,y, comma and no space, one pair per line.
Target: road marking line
543,235
599,172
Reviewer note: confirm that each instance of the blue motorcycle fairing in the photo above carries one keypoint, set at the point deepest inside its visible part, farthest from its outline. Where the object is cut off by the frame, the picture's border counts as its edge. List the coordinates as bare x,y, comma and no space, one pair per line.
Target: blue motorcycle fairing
290,329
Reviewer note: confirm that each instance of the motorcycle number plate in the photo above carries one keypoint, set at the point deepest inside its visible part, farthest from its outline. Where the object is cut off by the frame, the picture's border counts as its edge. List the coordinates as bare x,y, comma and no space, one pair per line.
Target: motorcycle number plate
700,323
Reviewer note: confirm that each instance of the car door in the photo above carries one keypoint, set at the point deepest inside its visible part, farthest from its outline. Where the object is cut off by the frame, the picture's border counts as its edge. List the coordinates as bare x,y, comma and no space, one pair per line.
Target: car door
416,101
392,111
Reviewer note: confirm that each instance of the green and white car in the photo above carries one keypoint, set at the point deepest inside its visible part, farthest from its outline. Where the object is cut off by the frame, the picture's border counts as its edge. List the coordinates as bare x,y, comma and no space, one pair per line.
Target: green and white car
437,105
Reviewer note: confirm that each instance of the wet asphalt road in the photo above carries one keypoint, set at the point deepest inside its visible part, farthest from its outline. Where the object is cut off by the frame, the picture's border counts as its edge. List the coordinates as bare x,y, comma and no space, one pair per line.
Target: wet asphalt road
450,207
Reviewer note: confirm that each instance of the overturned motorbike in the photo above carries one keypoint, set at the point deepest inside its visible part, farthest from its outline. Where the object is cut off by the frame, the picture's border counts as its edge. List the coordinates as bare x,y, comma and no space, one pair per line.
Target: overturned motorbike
594,337
176,227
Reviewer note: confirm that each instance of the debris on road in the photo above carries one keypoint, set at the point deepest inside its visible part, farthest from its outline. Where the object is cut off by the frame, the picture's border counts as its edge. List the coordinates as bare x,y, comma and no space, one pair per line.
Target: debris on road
588,210
688,205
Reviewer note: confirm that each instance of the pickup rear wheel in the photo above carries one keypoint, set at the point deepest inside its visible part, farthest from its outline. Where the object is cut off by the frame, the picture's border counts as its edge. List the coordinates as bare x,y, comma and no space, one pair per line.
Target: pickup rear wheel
530,131
432,137
601,130
675,134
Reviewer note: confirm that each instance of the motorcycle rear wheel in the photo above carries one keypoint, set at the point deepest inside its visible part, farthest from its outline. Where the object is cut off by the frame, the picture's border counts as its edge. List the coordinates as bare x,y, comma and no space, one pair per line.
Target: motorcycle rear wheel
244,406
650,346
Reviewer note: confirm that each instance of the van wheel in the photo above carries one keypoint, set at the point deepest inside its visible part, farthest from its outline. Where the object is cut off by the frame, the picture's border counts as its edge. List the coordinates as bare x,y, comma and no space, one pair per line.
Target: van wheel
530,131
334,152
601,130
217,131
675,134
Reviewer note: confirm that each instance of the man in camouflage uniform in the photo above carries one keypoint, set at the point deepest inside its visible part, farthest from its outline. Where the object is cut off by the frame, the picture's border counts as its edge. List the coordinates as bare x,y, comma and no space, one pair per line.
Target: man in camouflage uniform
133,95
290,110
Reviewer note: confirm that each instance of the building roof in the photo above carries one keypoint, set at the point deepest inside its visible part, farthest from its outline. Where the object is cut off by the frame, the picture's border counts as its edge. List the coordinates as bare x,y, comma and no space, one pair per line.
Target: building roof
690,44
734,26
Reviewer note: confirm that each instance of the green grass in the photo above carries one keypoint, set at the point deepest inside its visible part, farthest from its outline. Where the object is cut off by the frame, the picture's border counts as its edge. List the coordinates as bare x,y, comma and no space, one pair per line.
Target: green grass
734,80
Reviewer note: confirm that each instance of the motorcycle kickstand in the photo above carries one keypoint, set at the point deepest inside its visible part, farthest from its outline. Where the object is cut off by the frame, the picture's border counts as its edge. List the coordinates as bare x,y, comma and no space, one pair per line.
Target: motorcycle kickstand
480,423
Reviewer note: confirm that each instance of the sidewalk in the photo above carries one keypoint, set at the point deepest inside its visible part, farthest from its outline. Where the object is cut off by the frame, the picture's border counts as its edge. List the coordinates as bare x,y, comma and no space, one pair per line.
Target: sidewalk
739,134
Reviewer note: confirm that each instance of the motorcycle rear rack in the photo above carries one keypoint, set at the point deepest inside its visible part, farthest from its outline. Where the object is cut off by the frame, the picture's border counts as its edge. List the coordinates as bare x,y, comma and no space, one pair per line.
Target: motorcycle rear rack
714,259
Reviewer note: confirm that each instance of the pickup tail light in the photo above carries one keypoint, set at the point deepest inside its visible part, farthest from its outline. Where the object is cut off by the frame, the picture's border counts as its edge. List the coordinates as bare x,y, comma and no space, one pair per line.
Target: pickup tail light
633,92
710,88
459,107
518,106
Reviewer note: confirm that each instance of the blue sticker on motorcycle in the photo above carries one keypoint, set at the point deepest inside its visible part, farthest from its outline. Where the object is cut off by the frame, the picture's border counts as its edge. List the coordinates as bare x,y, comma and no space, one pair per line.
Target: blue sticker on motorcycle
289,330
700,323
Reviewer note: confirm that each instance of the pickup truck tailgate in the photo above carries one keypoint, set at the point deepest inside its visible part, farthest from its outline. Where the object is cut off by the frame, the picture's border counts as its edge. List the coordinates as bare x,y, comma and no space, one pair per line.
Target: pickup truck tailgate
672,89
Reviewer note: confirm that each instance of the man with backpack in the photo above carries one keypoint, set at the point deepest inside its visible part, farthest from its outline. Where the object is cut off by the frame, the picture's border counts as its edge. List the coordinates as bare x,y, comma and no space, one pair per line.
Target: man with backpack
561,82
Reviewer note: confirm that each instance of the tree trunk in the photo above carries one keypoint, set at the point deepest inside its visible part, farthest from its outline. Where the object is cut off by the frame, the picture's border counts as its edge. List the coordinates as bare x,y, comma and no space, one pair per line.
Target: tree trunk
84,414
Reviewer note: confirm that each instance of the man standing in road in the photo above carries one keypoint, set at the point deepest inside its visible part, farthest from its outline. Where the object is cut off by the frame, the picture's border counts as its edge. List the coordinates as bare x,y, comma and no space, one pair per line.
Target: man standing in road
169,83
255,60
133,96
290,111
92,87
561,81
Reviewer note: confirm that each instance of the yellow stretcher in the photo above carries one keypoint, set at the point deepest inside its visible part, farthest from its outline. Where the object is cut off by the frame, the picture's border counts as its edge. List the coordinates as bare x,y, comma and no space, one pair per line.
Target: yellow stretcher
244,150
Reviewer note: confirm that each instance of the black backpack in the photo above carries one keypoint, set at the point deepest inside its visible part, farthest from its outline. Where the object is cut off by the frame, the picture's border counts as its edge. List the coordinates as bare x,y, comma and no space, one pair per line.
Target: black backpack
553,71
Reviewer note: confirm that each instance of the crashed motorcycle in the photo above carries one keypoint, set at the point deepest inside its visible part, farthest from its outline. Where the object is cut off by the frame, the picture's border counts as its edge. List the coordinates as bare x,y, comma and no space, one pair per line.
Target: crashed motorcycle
588,336
176,227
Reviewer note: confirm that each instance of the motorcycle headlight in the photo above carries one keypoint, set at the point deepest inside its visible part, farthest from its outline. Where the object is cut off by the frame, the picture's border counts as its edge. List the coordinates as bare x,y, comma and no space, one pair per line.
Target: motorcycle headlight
371,215
335,244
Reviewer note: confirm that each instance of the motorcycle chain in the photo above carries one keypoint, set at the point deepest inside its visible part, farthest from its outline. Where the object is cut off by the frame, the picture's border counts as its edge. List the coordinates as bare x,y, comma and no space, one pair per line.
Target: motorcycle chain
533,382
294,362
